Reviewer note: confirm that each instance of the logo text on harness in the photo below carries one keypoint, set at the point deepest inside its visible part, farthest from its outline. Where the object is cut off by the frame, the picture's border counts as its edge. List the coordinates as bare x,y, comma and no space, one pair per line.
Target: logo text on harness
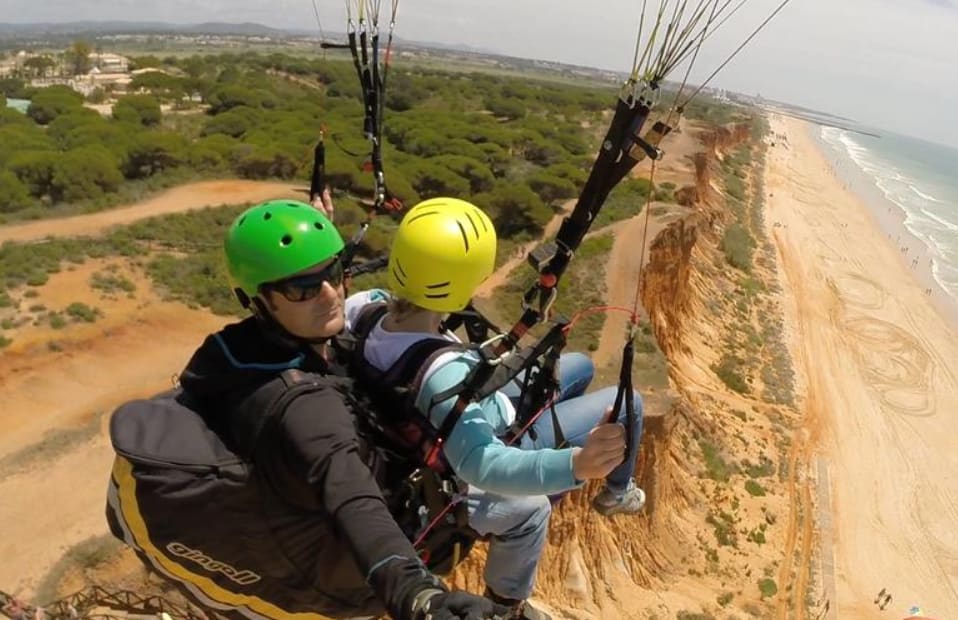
242,577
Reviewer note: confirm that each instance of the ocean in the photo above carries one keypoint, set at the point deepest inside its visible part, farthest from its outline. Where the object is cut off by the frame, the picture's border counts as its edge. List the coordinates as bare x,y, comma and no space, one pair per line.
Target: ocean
919,178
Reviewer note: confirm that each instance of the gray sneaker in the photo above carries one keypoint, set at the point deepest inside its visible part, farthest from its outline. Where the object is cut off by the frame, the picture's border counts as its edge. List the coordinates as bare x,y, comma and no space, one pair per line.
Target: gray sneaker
608,503
521,609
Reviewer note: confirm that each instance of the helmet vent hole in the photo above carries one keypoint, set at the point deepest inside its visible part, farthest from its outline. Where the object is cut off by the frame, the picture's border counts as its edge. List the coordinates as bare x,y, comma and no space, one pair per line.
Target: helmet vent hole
242,219
475,228
481,217
267,215
286,240
319,225
465,239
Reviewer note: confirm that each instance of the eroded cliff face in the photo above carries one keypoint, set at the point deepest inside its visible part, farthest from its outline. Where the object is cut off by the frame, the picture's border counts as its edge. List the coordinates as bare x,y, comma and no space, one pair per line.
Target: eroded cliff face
607,568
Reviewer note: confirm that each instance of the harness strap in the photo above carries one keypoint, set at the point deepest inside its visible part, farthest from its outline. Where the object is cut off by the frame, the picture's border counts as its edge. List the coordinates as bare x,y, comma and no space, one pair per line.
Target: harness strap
626,393
267,404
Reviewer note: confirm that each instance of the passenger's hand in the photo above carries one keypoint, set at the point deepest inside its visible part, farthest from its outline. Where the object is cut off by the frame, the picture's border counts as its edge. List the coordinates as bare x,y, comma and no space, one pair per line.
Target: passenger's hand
324,204
442,605
604,449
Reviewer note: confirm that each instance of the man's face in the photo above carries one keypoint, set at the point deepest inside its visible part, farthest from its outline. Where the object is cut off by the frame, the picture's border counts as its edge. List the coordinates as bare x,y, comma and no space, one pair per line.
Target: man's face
309,304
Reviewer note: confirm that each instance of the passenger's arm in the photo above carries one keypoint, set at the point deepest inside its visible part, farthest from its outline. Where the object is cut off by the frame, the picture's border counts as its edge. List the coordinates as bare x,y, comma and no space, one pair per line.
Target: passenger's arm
477,455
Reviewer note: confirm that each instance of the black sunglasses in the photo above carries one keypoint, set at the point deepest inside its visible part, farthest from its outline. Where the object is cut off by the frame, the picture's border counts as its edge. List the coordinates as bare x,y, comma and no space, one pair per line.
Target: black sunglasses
303,288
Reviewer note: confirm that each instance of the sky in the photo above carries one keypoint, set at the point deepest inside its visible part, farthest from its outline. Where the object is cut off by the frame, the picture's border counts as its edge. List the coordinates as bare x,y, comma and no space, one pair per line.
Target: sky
889,64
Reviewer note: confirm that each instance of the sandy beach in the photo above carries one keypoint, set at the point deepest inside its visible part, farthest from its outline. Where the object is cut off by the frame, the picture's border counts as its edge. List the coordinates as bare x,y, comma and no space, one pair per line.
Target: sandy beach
890,218
876,362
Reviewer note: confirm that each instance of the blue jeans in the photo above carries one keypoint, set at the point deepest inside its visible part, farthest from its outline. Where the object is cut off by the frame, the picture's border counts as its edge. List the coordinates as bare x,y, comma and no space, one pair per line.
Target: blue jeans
518,525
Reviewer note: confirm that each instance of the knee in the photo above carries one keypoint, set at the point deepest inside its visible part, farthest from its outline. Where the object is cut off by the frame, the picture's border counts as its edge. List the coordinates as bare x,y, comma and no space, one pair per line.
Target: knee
535,510
637,399
580,364
540,509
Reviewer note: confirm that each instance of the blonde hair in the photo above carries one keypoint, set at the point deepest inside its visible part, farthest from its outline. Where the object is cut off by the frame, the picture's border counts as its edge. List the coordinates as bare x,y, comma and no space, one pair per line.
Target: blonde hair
401,308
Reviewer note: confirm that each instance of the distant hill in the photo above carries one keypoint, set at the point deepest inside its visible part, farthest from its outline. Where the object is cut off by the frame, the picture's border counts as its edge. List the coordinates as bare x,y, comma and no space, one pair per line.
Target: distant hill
27,34
123,27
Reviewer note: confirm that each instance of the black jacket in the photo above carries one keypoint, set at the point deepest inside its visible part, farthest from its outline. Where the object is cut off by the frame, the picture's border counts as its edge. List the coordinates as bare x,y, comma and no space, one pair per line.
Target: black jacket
312,460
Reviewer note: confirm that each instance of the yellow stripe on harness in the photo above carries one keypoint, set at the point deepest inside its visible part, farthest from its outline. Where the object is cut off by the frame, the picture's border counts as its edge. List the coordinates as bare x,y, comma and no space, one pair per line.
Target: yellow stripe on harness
130,511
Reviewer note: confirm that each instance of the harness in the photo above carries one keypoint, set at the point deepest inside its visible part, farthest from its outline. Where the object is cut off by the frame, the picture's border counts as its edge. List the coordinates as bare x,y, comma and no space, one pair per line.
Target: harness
426,501
423,489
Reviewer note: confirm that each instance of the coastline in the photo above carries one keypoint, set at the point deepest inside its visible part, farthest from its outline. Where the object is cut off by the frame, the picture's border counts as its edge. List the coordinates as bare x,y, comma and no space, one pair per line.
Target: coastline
874,359
888,217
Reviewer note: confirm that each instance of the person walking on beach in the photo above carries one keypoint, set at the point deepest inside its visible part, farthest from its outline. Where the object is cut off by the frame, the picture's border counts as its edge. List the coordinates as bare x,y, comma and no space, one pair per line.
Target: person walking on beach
885,602
878,597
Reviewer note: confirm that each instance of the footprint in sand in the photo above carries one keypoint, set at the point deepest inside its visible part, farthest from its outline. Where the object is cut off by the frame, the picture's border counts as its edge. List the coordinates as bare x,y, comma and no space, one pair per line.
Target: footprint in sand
894,364
858,291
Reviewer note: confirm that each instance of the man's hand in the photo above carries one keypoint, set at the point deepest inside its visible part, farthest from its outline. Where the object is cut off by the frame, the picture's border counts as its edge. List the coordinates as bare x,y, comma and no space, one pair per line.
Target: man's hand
603,451
324,204
435,604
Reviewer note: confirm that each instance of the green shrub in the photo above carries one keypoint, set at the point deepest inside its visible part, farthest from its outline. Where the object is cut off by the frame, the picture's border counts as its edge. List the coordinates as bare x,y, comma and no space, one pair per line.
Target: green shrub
109,283
56,320
729,370
716,467
757,537
738,245
37,278
764,468
754,489
767,587
82,312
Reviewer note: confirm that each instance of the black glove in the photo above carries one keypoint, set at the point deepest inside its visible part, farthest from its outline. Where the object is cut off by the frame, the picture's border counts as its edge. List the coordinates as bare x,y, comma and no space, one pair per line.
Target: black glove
435,604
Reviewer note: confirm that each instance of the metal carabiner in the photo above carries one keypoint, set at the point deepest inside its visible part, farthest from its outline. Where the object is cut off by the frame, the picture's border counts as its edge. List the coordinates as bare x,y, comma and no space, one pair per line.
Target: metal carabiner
492,361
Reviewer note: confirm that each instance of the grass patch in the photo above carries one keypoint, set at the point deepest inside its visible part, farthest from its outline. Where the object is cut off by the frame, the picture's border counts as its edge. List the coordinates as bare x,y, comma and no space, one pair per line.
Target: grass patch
81,312
767,587
53,443
626,200
757,535
731,370
87,554
723,525
57,320
738,245
582,286
754,489
716,467
110,283
764,468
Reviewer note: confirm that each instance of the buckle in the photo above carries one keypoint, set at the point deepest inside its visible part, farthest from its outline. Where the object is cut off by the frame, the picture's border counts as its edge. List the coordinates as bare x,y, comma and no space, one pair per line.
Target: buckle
486,357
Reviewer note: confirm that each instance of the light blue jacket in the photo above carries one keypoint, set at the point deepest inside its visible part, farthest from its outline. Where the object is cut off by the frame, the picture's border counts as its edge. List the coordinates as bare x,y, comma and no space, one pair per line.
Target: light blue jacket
473,449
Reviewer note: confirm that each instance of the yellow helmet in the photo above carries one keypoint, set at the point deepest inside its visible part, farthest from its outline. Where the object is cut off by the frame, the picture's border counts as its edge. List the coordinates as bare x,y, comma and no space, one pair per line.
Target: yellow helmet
444,249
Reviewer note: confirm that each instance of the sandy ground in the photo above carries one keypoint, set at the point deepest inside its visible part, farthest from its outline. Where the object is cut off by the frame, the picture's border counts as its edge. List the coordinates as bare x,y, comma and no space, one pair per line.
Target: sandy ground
176,200
66,379
878,360
630,253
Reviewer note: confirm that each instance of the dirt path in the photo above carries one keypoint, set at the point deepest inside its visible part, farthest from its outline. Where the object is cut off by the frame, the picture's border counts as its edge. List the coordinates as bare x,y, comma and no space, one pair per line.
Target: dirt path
176,200
501,275
878,362
622,277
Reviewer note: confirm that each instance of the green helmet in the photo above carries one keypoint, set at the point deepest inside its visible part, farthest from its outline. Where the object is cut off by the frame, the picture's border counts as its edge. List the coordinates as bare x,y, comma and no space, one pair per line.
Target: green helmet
275,240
